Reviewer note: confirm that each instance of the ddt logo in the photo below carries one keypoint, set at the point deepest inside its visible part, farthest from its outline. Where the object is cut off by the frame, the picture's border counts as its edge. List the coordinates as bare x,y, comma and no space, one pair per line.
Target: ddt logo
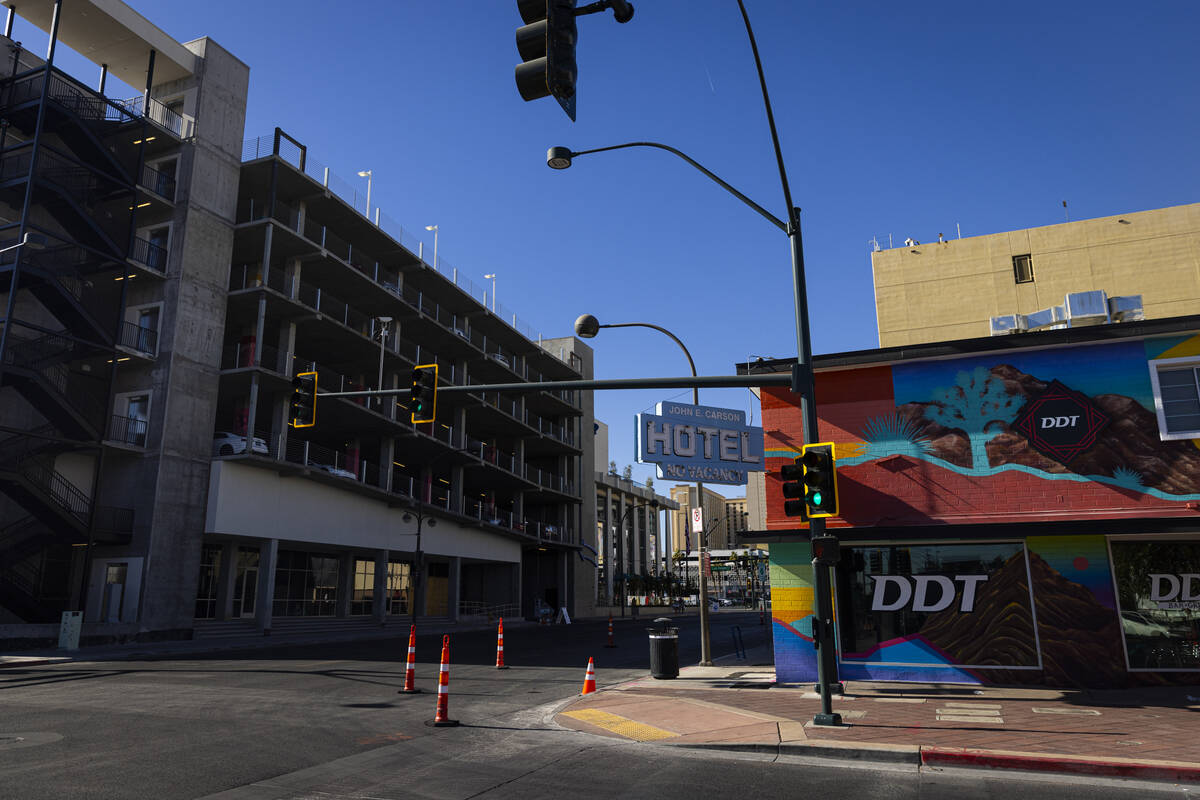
916,589
1060,422
1175,591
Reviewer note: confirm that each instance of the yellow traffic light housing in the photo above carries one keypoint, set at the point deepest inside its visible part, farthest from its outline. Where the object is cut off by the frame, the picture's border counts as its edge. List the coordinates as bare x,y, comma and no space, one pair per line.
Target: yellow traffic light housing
422,399
304,400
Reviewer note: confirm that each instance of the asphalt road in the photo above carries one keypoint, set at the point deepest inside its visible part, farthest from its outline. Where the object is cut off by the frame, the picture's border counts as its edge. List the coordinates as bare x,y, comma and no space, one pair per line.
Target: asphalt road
326,721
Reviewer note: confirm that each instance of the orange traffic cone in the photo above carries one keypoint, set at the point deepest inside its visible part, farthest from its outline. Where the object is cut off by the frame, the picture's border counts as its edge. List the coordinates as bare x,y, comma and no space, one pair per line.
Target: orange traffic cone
611,643
442,719
500,646
589,681
410,671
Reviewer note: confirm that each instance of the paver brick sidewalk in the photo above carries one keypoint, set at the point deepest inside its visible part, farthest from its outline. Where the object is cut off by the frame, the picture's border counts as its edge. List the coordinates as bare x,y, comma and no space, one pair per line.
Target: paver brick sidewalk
743,705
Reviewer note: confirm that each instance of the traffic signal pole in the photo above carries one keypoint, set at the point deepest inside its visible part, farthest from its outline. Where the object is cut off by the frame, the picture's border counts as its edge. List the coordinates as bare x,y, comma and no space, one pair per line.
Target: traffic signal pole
803,385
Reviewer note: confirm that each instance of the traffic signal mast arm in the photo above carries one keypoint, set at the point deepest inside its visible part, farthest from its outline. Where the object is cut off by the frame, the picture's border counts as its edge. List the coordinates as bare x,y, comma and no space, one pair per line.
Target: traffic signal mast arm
688,382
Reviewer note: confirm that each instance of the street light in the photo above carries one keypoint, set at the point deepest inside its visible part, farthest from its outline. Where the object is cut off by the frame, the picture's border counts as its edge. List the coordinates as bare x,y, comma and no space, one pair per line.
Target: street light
433,228
418,556
366,173
802,377
383,334
586,327
620,537
492,276
34,241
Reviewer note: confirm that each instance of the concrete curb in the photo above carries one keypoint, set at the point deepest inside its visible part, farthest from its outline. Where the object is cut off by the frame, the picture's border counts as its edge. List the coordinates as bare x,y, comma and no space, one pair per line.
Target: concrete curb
886,753
1174,771
929,756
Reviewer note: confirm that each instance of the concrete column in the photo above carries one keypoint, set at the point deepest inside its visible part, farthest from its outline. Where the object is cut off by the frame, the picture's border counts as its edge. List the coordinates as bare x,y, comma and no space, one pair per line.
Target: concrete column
636,558
387,449
456,488
454,587
610,553
380,598
226,579
345,584
268,558
514,593
565,595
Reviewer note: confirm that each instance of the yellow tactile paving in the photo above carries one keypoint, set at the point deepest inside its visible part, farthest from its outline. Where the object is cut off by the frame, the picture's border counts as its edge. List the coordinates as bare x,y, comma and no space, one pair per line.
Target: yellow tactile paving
623,726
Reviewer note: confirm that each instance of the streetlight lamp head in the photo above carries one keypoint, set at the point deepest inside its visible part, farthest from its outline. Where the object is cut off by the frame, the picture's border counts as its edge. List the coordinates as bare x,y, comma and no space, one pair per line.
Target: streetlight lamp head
431,227
34,241
384,320
586,326
407,517
559,157
364,173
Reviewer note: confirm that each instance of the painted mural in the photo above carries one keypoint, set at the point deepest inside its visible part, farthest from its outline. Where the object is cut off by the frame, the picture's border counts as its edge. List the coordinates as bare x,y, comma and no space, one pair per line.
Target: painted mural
1023,436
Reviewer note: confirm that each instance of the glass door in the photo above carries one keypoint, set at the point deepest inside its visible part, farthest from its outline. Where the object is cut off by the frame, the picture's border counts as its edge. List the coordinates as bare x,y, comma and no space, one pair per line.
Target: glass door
245,586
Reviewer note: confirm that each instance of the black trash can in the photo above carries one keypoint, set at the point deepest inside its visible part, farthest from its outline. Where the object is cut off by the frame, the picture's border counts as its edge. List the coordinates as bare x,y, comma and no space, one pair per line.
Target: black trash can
664,650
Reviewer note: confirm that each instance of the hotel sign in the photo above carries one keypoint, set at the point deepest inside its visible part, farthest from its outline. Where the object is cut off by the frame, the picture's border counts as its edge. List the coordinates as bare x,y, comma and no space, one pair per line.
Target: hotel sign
699,443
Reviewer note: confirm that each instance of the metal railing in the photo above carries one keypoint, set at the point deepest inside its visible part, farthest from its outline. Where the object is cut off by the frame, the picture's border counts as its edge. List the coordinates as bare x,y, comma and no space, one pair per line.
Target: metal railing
46,357
136,337
158,182
128,430
263,146
179,124
149,255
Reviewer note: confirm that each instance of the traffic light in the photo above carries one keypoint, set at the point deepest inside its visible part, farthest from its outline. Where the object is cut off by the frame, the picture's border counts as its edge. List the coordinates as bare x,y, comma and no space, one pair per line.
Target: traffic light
304,400
422,399
547,46
826,550
793,489
820,480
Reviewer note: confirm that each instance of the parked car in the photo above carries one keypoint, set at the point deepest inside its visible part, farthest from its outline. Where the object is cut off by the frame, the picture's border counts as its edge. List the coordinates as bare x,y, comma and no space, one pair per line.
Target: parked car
227,443
725,601
332,470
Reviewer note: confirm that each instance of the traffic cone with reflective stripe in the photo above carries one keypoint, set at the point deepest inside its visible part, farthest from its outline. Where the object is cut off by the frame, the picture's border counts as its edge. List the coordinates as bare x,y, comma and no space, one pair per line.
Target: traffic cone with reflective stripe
500,646
442,718
589,681
611,643
410,671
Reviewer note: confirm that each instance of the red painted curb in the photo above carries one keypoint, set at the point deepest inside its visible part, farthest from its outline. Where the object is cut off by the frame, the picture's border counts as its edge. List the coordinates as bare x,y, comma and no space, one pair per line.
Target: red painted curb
954,757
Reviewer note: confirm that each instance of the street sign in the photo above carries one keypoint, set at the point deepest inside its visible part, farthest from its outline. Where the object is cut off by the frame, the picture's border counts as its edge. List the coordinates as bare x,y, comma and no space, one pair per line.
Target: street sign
697,520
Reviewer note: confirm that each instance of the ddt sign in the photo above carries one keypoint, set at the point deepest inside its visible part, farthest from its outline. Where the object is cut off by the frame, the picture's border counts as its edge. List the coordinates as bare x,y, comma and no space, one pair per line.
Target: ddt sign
930,593
699,443
1173,592
1060,423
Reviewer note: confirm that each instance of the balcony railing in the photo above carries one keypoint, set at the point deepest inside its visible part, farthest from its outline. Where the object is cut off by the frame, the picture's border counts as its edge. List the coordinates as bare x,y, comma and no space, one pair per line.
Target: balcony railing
127,430
149,254
158,182
136,337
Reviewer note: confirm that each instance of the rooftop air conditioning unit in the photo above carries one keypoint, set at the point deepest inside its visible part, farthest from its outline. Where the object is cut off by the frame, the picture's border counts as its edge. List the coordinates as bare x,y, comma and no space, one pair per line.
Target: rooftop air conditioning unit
1086,308
1127,308
1047,319
1008,323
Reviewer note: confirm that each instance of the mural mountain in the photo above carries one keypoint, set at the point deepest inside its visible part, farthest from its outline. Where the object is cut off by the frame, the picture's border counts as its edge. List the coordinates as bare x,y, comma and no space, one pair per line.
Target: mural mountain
1129,448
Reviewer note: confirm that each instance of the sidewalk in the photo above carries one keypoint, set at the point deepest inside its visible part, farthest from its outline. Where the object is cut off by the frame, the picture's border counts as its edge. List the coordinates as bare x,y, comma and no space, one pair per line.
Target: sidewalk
1144,733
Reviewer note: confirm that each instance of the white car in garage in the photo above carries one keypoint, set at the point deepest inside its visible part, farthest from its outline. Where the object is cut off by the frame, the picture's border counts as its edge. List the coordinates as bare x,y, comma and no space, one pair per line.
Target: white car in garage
227,443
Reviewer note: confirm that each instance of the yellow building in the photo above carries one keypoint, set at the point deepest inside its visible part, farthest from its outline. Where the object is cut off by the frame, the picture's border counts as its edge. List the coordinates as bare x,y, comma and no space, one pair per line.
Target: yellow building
945,290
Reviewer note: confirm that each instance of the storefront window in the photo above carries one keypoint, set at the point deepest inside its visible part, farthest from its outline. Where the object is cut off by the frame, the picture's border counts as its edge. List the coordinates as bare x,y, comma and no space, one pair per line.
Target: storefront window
206,589
961,605
399,588
305,585
1158,592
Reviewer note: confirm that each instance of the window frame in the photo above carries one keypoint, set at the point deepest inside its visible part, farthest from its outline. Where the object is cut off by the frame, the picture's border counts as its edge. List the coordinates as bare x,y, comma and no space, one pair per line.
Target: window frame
1160,413
1016,274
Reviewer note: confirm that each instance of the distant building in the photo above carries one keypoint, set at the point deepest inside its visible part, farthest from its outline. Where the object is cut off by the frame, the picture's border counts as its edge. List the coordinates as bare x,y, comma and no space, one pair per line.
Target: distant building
714,519
951,290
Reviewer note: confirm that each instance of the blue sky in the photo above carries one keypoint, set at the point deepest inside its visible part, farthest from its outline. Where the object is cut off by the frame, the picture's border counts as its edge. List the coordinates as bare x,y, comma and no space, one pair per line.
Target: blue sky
893,119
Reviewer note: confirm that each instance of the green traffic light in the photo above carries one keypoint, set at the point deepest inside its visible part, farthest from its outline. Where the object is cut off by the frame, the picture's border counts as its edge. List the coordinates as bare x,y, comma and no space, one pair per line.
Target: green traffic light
814,499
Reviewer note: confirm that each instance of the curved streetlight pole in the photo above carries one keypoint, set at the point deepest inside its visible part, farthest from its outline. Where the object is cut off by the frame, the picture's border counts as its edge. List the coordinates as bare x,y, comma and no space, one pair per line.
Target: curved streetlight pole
802,376
620,542
586,327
